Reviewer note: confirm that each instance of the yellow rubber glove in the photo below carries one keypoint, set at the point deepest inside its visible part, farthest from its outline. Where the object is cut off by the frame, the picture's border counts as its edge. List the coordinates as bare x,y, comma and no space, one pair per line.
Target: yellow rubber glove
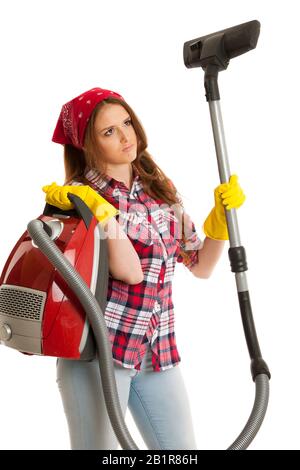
57,196
227,195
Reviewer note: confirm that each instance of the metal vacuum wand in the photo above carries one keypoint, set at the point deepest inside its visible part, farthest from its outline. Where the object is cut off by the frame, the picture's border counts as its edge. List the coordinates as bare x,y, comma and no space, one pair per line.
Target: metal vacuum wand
213,52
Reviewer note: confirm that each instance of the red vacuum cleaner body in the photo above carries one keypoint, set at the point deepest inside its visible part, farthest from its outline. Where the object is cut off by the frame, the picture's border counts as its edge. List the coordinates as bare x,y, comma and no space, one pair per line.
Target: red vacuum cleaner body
39,314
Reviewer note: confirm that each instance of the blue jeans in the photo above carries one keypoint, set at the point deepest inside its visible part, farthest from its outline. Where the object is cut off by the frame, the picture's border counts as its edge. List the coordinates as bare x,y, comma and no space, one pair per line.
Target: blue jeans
158,402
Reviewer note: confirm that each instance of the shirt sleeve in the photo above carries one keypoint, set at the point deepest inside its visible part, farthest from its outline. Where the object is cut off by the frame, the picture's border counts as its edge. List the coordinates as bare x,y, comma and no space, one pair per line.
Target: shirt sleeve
192,240
192,244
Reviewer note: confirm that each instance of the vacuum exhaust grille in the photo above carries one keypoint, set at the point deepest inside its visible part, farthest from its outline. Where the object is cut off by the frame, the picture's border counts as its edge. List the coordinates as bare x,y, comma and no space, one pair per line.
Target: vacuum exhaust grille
22,302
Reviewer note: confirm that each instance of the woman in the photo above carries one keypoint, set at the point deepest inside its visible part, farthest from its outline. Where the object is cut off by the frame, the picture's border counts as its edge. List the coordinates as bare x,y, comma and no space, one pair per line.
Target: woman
148,231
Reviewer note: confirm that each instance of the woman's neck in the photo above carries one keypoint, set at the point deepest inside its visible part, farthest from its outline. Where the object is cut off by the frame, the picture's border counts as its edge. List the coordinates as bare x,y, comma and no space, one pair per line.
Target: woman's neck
122,173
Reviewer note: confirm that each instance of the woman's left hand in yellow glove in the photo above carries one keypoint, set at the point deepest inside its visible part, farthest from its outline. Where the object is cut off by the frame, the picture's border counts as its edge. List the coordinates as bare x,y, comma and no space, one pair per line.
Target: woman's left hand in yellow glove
227,196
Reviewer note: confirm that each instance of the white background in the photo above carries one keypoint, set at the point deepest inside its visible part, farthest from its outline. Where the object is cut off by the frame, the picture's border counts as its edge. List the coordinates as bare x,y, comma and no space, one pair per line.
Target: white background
51,52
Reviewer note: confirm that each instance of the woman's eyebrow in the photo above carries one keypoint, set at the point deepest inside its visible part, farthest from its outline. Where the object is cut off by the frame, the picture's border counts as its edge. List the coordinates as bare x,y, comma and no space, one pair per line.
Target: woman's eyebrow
113,126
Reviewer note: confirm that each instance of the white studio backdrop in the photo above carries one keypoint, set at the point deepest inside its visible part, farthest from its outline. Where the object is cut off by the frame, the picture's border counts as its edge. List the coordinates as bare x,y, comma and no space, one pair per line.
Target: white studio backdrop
51,52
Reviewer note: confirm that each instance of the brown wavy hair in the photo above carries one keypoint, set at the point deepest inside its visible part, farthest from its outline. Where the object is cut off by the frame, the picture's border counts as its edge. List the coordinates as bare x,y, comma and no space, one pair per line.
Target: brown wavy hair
155,183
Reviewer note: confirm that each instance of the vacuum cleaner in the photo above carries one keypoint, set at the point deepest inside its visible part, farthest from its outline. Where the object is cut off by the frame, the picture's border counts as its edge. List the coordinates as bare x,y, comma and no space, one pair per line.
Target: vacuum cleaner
54,285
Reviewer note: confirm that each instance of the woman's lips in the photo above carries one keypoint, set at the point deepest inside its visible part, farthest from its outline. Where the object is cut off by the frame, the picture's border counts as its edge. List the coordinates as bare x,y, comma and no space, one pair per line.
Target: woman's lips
125,149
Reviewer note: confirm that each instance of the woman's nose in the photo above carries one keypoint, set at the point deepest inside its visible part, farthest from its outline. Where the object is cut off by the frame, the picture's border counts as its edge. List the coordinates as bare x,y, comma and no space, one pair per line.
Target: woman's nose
123,135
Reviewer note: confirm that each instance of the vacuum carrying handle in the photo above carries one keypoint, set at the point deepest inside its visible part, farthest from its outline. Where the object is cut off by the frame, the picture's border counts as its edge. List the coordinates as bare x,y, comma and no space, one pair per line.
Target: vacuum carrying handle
80,210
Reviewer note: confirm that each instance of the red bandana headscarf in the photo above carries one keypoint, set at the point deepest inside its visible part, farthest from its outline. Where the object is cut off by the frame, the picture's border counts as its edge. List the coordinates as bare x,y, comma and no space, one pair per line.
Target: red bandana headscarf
75,114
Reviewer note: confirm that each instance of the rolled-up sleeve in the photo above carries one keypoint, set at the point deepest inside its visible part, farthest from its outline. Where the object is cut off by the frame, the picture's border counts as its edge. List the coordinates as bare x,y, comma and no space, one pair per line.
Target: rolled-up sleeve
192,243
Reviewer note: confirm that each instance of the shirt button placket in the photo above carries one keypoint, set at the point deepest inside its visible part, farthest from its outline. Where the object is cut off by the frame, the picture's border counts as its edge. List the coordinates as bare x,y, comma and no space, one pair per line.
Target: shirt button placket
161,277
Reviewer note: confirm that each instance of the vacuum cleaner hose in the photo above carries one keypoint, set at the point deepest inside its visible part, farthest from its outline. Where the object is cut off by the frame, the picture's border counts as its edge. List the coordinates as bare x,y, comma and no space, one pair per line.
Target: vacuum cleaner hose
96,318
257,415
97,321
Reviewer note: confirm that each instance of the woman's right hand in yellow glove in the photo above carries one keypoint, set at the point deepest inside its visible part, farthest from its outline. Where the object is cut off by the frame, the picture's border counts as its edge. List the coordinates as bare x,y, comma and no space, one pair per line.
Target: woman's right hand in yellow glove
57,196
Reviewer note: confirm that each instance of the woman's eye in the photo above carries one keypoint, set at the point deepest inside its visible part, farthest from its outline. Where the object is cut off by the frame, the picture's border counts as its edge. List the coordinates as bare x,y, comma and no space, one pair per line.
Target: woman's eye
128,120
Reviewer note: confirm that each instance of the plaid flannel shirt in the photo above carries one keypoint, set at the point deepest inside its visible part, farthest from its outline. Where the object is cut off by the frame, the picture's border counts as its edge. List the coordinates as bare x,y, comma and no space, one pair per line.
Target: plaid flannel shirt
141,314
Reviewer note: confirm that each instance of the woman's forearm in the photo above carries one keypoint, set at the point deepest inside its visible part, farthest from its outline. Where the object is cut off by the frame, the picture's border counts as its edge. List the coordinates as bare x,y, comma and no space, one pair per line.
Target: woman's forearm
124,263
208,257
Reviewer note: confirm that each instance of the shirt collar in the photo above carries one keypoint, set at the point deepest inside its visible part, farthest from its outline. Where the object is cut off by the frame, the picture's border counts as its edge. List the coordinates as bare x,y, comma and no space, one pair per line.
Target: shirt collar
107,183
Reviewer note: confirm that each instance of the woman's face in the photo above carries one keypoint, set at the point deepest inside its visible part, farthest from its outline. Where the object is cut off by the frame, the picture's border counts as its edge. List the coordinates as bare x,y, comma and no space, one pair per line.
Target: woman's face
113,132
